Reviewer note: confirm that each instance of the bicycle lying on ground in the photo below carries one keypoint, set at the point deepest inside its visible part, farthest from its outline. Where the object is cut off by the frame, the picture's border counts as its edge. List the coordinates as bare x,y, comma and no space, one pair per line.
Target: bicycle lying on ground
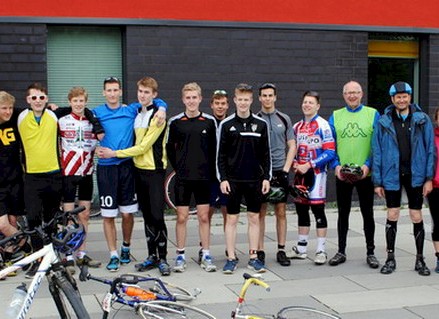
150,297
61,234
289,312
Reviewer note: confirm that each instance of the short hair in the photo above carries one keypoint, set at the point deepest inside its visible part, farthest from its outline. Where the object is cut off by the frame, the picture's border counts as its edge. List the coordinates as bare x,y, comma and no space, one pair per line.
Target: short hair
313,94
6,98
148,82
219,94
192,86
436,114
36,86
268,85
112,79
243,88
77,91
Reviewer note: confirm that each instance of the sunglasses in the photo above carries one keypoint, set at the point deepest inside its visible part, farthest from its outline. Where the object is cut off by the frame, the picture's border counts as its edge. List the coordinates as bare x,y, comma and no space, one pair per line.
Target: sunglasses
220,92
41,97
267,86
111,79
244,87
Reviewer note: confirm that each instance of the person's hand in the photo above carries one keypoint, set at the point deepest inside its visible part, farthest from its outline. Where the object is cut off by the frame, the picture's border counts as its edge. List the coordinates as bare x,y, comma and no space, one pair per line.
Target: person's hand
105,152
283,179
338,173
365,170
100,136
303,168
225,187
427,188
380,191
160,116
265,186
52,106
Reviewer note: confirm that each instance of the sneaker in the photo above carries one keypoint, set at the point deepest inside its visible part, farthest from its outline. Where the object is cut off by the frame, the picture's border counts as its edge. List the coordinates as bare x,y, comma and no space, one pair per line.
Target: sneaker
164,267
421,267
113,265
230,266
372,261
7,264
338,259
125,256
320,258
70,266
261,256
256,265
207,264
388,267
148,264
295,254
30,274
282,258
86,260
180,264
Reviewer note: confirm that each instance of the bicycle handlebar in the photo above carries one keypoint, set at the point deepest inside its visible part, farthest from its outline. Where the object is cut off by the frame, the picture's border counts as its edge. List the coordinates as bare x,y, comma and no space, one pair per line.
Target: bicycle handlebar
40,230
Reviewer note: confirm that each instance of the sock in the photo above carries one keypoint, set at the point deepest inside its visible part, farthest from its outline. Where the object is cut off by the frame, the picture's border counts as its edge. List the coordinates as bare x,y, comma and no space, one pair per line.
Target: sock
114,253
69,257
80,254
181,252
391,230
321,241
206,252
419,234
126,245
280,247
302,243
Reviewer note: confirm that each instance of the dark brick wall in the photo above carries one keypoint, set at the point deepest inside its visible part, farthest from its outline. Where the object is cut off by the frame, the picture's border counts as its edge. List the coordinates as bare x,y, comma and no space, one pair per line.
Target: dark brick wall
433,73
22,57
222,57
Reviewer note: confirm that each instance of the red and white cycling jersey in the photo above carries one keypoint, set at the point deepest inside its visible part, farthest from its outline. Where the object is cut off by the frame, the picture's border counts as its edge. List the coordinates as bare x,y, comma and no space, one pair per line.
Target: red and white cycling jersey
315,144
78,143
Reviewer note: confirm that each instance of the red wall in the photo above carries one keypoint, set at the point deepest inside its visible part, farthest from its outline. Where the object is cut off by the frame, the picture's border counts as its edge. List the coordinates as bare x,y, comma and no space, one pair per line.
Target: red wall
403,13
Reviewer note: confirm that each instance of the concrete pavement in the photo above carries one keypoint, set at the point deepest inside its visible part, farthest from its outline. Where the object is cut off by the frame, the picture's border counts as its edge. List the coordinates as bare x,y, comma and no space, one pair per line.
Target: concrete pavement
351,290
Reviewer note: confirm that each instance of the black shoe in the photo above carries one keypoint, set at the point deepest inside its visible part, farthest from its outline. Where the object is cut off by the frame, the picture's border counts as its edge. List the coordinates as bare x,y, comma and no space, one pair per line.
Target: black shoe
148,264
338,259
388,267
261,256
282,259
30,274
372,261
200,255
421,268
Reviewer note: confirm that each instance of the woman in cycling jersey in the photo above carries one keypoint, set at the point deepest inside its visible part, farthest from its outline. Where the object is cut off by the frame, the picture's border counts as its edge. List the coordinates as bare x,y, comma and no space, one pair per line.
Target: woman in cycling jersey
315,149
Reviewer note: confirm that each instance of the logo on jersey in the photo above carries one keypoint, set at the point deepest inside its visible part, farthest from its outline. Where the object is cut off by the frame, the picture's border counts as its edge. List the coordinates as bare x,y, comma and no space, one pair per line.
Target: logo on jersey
232,129
7,136
353,130
254,127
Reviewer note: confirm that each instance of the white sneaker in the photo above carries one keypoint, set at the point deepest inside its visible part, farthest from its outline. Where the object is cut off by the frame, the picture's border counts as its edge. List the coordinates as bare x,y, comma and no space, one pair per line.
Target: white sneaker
320,258
207,264
295,254
180,264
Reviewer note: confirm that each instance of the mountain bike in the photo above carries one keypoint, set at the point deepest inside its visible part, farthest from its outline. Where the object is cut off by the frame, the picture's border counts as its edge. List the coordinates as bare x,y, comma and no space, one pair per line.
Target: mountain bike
289,312
150,297
61,234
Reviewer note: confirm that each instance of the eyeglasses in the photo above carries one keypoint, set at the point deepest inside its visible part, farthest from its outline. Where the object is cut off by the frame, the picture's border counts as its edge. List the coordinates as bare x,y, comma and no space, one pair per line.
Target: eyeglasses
352,93
220,92
267,86
41,97
111,79
244,87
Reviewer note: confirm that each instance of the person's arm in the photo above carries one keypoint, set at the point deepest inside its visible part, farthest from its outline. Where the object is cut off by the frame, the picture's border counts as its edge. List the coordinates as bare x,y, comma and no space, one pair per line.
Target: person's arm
151,136
160,115
376,159
97,127
171,145
221,155
291,145
265,154
368,161
328,146
336,161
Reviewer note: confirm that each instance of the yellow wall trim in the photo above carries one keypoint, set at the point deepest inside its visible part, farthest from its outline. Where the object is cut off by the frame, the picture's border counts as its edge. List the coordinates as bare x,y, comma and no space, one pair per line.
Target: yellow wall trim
394,49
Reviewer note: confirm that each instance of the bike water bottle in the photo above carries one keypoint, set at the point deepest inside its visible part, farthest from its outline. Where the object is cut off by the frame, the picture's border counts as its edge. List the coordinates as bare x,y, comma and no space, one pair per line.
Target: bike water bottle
139,293
17,301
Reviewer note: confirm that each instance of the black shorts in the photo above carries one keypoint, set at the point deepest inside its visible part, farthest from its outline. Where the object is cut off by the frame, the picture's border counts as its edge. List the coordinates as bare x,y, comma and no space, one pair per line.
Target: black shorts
217,198
252,193
184,189
11,199
116,189
77,185
414,194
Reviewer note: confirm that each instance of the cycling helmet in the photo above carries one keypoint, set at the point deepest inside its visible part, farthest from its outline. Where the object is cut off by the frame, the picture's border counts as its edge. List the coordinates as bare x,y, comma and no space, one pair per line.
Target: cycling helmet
352,169
276,194
69,239
299,191
400,87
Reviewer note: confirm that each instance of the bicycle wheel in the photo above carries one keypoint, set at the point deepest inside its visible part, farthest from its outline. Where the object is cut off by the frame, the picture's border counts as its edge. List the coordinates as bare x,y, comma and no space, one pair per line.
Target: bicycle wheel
171,310
296,312
67,299
170,195
180,293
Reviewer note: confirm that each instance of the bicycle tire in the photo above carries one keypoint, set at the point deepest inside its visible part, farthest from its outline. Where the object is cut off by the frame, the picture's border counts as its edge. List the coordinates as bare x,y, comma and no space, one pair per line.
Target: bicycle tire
180,293
67,299
171,310
170,196
296,312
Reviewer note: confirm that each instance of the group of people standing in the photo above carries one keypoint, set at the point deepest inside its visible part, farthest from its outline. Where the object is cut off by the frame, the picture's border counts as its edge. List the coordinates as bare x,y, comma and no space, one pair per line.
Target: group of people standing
219,159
